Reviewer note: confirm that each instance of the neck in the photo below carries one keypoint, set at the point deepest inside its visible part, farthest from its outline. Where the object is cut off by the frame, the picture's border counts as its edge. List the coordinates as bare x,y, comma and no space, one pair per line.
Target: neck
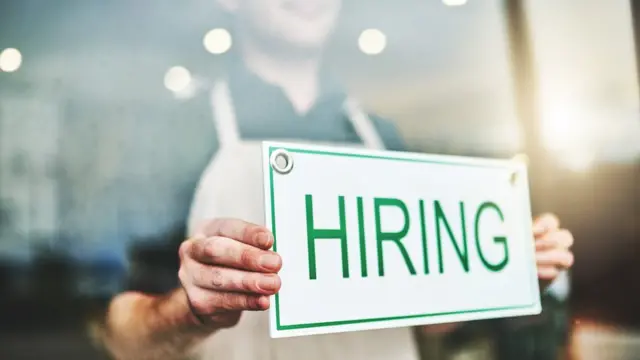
298,76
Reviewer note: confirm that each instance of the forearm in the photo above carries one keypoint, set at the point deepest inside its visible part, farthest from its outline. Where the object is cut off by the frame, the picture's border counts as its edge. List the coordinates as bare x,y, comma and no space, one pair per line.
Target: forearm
143,327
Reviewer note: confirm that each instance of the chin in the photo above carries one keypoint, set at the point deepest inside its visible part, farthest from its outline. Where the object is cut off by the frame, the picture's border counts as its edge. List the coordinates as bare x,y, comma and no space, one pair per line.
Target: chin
305,37
293,42
306,43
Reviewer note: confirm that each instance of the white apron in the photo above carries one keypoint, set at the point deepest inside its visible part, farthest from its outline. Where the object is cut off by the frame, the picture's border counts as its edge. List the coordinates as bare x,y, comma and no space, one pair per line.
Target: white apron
231,186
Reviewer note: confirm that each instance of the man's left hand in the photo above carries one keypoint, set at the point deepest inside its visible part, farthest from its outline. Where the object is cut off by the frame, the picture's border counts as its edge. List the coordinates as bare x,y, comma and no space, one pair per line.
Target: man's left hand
553,255
553,248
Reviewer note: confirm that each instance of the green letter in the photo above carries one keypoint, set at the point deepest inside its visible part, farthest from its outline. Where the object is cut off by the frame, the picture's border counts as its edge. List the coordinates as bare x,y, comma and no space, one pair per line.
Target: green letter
396,237
498,239
363,245
313,234
423,228
462,254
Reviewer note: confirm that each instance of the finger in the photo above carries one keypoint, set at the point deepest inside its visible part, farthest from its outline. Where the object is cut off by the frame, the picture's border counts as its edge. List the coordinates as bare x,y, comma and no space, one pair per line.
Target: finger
227,301
558,239
210,303
545,223
248,233
230,253
556,258
232,280
548,272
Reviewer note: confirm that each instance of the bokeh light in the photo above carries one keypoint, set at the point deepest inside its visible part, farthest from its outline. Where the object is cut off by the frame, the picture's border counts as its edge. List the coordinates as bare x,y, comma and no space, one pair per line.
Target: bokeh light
454,2
217,41
10,60
177,79
372,41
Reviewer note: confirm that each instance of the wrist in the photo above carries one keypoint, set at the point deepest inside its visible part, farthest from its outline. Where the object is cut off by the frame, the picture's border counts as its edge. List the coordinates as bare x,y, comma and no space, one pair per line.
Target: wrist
184,316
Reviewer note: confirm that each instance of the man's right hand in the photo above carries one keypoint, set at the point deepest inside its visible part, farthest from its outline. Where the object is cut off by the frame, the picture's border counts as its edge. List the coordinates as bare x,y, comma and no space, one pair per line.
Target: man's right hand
226,268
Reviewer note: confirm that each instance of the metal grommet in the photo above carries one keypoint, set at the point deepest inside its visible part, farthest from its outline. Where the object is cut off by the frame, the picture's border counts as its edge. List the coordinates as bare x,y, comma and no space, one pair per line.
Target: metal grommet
281,161
515,175
514,178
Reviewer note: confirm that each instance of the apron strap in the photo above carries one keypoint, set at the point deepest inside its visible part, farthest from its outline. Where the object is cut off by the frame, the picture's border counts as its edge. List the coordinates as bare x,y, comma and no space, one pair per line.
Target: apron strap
224,114
227,126
363,125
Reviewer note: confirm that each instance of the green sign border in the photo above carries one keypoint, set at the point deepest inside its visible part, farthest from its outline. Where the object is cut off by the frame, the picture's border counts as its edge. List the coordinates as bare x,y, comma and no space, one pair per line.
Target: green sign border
279,326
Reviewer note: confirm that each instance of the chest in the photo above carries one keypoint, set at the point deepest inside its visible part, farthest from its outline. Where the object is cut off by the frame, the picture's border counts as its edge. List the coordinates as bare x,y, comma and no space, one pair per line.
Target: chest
320,127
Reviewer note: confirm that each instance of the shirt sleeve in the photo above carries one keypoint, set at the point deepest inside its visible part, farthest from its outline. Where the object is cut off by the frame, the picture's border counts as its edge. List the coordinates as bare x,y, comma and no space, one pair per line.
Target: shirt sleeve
154,266
389,133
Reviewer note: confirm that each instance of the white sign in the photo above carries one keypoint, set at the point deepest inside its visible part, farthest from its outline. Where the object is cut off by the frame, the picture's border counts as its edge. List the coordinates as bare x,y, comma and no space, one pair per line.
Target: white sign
380,239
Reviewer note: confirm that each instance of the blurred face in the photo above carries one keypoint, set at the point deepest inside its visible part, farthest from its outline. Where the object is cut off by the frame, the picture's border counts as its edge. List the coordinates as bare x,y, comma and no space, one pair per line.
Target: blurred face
305,24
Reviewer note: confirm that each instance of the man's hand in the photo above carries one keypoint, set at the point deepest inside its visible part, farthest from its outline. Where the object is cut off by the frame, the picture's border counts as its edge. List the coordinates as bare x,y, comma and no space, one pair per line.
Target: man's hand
553,248
224,269
553,255
227,268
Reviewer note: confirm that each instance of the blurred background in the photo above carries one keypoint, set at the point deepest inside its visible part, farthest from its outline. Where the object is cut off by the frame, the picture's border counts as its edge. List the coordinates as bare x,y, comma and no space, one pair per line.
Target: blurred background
88,91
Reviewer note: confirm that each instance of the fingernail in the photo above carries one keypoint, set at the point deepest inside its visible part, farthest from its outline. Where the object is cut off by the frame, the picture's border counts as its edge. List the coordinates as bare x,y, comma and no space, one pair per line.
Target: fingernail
263,240
268,283
538,228
271,261
263,302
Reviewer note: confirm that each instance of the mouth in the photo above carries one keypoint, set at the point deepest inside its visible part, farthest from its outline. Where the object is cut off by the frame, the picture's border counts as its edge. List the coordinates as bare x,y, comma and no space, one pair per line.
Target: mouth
305,9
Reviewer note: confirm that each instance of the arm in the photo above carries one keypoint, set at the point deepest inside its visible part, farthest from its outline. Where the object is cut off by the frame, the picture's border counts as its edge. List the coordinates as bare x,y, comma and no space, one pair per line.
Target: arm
224,270
140,326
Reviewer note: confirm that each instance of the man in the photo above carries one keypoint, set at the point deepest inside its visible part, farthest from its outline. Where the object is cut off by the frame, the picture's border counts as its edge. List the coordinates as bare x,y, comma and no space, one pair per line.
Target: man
226,266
